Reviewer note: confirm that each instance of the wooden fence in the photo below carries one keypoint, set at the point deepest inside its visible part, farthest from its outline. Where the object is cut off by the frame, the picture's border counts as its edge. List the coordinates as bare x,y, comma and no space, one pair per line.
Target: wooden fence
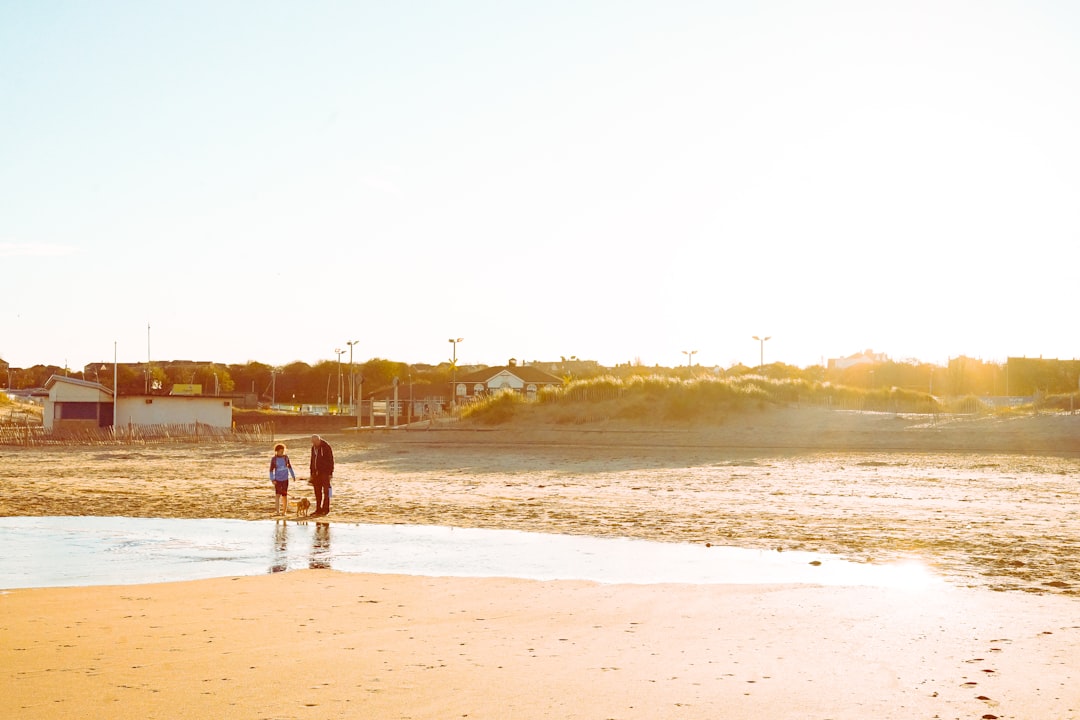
36,435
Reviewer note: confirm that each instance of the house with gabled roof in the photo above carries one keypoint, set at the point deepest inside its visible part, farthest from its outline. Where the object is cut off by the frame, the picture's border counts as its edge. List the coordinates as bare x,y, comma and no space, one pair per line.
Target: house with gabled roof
523,379
866,357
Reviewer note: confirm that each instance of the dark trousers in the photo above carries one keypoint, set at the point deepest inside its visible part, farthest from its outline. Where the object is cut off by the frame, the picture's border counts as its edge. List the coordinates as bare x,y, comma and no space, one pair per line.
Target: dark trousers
321,484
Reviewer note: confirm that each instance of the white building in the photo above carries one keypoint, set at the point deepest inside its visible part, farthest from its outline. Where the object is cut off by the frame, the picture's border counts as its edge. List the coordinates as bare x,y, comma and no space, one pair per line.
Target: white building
81,404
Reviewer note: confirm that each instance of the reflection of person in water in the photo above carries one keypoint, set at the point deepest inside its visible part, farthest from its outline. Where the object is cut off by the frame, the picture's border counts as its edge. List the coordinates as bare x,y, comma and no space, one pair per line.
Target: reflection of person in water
320,547
280,561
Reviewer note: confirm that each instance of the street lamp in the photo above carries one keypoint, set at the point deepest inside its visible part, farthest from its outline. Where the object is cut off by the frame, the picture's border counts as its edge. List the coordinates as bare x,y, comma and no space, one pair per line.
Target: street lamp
689,357
453,368
274,372
339,352
761,360
352,373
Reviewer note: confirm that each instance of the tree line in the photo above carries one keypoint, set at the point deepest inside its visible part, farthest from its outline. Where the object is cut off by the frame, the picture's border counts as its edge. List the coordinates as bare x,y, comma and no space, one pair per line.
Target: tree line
326,381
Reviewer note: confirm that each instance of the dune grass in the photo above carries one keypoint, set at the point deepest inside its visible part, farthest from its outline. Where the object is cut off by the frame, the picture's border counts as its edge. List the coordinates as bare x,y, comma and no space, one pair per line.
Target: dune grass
708,400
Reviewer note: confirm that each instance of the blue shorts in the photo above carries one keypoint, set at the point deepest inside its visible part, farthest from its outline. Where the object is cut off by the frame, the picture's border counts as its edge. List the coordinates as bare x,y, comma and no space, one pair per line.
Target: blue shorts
281,487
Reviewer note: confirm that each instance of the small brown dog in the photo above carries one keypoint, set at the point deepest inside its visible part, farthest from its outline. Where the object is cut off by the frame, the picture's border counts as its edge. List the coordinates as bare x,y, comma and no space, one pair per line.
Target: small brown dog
303,507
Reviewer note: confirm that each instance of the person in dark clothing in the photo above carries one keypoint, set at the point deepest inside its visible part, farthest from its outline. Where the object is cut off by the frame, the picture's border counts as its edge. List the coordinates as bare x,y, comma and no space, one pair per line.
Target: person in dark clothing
322,471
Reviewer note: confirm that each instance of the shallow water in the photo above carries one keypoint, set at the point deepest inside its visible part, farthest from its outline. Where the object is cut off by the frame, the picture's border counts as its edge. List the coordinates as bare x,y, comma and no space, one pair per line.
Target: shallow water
82,551
1000,521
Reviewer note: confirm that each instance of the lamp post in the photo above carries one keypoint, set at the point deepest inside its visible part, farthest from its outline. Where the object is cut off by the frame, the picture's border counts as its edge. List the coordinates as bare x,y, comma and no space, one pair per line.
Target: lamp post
453,369
115,385
339,352
689,357
761,359
395,412
352,373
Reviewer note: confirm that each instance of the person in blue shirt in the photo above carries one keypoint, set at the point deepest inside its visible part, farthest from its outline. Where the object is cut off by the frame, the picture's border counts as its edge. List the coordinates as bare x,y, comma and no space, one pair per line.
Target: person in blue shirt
280,472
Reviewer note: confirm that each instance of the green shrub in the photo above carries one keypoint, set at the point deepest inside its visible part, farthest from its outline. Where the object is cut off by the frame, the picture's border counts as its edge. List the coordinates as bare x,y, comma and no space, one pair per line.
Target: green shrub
495,409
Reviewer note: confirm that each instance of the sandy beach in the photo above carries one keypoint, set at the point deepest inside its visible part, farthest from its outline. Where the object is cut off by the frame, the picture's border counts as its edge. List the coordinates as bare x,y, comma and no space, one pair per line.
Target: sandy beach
989,506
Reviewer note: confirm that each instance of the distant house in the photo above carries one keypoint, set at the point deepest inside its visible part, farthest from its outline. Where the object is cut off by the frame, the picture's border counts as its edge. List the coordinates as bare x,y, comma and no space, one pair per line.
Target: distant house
78,404
523,379
866,356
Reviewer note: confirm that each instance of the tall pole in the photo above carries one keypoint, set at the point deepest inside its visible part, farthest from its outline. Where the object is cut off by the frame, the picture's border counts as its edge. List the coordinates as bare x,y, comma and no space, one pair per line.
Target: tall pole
453,368
761,359
115,387
147,358
394,412
352,373
689,357
339,352
360,402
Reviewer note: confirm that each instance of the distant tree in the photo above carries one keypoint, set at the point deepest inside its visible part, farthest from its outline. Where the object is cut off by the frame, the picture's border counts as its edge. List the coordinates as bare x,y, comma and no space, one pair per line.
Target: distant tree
782,371
159,383
739,370
36,376
300,382
379,373
1028,375
214,379
250,377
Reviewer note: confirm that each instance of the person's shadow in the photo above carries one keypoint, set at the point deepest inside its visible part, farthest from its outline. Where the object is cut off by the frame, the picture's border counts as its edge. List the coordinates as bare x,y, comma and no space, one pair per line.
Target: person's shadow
280,558
320,547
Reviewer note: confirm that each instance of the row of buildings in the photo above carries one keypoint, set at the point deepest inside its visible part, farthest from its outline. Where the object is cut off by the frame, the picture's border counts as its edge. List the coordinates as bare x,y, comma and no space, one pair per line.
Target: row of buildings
71,404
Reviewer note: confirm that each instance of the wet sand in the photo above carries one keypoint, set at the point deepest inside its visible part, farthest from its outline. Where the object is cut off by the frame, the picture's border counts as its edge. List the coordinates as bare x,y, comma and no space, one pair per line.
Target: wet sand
872,488
992,508
320,644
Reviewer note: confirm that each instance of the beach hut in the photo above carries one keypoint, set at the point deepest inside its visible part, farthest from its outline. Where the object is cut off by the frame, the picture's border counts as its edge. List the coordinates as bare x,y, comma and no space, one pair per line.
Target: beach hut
75,404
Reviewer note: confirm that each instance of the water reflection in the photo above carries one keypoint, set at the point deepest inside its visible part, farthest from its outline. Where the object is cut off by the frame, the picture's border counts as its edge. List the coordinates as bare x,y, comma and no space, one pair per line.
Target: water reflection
320,547
67,551
280,556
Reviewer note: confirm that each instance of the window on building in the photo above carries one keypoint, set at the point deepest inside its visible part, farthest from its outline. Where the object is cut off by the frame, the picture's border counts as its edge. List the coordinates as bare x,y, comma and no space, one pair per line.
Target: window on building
78,411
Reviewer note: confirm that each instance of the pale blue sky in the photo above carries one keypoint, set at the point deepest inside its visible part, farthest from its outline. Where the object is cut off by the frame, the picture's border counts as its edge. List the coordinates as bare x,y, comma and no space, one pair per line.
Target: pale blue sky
617,180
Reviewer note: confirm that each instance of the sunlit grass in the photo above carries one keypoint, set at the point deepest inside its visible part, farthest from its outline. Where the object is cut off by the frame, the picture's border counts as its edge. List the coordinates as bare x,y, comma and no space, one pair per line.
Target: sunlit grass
701,400
665,400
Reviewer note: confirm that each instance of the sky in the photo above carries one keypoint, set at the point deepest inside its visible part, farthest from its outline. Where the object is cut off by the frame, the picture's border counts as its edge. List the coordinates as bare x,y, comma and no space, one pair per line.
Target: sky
619,181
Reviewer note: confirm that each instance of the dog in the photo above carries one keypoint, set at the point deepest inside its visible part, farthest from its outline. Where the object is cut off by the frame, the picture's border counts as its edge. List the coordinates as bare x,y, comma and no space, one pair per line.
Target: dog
303,507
